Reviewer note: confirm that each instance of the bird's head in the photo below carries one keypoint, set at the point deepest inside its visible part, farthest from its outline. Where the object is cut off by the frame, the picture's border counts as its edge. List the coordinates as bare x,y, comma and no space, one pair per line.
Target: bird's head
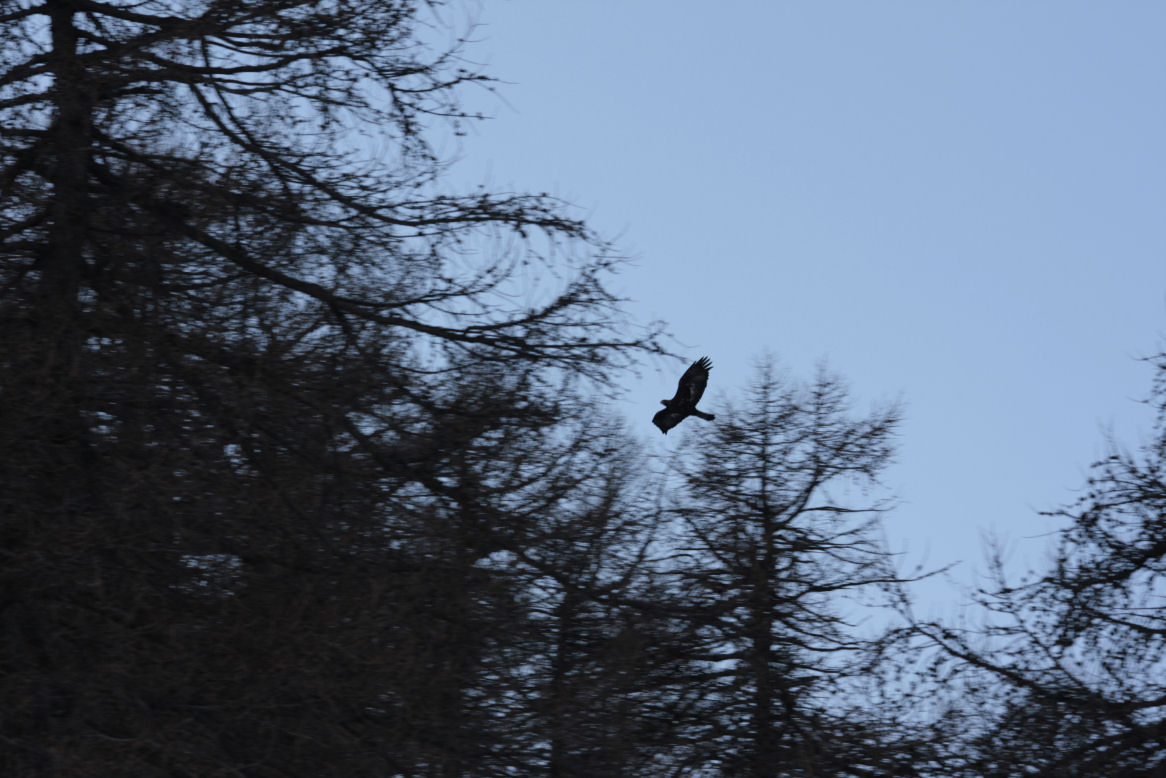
665,403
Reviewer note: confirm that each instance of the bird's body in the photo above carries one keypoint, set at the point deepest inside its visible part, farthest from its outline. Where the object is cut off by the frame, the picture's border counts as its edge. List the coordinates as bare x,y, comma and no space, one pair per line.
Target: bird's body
688,394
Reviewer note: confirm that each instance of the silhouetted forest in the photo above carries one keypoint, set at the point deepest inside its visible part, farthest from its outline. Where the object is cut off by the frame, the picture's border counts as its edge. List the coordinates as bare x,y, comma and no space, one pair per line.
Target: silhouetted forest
304,470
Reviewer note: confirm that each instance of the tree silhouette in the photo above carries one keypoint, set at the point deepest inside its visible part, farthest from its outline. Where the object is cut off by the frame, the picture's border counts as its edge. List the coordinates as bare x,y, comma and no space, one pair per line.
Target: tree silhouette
247,337
1071,659
780,531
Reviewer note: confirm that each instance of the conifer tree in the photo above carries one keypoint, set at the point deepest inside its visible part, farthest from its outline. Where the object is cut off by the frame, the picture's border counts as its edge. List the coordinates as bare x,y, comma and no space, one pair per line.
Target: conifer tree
778,518
247,330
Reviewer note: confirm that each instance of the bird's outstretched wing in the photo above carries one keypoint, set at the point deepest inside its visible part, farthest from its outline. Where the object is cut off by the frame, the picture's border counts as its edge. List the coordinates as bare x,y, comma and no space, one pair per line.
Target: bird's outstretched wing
693,382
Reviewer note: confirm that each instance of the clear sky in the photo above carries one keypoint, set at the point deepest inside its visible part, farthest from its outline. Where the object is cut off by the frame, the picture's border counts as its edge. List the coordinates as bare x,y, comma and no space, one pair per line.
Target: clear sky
960,203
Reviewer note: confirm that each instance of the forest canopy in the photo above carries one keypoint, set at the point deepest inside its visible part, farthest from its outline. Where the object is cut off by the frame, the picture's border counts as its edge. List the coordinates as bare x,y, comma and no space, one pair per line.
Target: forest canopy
306,471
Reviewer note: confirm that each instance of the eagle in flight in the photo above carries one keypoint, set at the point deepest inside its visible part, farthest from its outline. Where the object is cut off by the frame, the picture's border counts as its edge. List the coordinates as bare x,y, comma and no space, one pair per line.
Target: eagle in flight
688,394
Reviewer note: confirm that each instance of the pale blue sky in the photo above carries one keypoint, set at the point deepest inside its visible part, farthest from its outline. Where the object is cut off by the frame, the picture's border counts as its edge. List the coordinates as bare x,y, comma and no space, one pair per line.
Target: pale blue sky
962,203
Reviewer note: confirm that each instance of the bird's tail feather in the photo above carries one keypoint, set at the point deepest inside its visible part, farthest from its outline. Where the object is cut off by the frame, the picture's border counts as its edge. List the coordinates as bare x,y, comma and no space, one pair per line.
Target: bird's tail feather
703,415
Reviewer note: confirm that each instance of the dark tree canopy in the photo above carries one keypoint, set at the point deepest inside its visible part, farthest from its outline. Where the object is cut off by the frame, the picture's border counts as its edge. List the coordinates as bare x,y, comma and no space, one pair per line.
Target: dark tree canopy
213,153
256,357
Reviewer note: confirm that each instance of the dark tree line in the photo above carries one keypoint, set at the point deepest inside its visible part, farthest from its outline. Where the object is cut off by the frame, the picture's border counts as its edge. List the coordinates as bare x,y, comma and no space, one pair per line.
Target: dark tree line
257,373
301,474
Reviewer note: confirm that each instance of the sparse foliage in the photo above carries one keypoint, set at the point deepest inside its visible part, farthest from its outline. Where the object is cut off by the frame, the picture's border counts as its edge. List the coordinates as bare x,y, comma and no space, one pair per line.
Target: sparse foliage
1074,656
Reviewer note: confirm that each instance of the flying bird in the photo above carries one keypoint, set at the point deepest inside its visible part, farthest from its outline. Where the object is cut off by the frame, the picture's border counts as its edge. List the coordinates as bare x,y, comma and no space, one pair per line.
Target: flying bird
688,394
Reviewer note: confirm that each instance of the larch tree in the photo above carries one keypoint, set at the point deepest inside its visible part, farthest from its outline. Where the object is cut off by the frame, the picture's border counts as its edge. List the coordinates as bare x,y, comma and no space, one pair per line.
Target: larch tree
242,319
778,519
